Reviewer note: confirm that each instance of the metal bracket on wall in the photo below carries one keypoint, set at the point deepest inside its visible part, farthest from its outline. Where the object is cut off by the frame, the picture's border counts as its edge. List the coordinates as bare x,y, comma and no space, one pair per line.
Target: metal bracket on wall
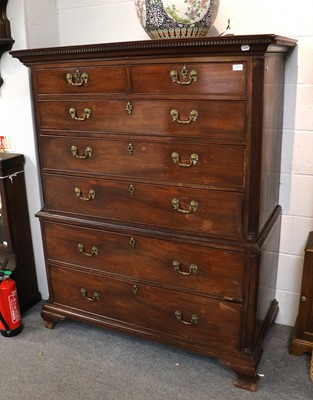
6,41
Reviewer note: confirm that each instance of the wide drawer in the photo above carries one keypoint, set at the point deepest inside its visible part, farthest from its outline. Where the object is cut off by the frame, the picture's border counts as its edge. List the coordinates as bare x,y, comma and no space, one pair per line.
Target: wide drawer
187,317
190,267
221,119
81,80
187,209
220,78
212,78
148,159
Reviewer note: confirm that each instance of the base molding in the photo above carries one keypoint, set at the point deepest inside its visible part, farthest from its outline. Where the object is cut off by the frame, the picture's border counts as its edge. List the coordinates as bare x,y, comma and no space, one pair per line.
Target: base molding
243,363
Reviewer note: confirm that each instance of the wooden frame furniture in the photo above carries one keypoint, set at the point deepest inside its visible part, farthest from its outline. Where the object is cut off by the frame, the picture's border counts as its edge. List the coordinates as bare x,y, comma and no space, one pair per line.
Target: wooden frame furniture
15,234
160,170
302,340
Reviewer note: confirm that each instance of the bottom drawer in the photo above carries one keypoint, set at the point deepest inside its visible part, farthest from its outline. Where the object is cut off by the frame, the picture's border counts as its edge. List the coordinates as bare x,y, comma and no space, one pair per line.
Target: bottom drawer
191,318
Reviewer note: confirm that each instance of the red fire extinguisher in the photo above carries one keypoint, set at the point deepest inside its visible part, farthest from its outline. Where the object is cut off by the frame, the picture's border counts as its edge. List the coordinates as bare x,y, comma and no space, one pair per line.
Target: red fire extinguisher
10,317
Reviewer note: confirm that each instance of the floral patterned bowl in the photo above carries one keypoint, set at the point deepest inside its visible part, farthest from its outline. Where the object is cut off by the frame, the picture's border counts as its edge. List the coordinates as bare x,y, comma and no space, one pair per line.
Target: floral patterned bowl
165,19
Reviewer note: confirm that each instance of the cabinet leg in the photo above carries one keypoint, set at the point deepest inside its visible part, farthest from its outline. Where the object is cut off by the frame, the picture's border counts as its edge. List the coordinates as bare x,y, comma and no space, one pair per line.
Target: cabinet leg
247,377
50,318
49,324
247,382
311,369
297,347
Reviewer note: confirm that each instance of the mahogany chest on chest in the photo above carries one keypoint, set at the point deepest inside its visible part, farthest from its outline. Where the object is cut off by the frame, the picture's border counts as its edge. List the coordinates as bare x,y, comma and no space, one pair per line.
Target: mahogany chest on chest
160,165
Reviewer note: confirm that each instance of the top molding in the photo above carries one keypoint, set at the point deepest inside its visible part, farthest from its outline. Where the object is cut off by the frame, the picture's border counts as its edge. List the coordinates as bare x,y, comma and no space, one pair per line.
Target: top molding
254,45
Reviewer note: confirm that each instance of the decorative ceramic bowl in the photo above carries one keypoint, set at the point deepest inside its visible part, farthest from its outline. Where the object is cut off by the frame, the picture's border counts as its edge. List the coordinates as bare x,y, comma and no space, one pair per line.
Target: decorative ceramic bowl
165,19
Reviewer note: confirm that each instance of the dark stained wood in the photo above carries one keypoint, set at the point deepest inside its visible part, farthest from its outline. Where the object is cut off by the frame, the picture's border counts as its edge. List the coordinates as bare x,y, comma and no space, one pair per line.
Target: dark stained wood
302,340
146,159
216,119
213,79
17,234
202,279
139,305
101,79
229,46
217,211
218,273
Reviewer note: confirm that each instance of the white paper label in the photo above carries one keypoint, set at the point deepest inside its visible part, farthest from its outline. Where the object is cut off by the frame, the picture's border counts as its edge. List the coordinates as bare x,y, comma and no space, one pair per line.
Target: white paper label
245,47
237,67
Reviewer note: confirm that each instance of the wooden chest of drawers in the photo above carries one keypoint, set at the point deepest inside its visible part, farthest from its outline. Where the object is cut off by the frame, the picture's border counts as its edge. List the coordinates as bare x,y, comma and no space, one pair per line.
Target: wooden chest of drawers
160,174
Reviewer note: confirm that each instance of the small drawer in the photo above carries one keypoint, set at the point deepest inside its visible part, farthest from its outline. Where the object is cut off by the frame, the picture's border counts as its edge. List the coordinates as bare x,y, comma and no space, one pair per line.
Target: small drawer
215,79
169,161
81,79
194,268
179,315
208,119
180,208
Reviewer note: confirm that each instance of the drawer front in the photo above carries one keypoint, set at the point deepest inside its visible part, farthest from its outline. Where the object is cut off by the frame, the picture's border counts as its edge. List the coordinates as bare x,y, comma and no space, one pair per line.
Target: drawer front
221,119
154,160
227,79
212,322
81,80
186,209
189,267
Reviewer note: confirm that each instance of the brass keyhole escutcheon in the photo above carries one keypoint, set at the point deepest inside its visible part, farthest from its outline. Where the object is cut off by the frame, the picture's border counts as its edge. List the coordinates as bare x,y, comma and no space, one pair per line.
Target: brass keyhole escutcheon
131,189
129,107
135,289
132,242
130,148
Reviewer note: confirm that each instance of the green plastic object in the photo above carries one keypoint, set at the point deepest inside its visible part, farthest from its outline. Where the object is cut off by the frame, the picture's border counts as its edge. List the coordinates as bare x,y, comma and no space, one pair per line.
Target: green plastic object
6,272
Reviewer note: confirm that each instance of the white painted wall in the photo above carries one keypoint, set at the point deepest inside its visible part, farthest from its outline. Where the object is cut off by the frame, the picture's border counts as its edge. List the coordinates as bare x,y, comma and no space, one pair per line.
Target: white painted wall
92,21
16,119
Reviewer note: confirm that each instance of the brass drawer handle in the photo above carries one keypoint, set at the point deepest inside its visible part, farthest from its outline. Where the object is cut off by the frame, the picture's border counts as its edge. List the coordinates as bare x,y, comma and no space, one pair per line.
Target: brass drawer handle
193,269
194,158
94,250
193,75
95,297
193,115
91,194
193,206
88,152
86,114
77,79
194,319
